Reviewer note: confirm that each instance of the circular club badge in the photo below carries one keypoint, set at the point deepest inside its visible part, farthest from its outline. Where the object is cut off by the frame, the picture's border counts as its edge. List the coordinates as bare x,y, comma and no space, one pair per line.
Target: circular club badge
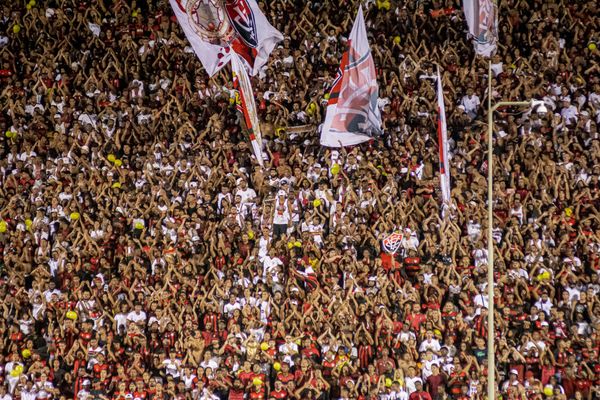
210,21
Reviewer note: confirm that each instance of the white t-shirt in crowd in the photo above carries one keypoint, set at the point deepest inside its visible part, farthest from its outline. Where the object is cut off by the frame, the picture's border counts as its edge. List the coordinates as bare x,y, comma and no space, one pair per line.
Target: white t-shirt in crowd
135,317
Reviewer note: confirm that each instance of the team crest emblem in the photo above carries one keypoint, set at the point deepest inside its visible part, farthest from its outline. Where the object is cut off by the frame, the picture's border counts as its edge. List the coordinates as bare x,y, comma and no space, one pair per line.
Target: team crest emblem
209,20
242,18
220,22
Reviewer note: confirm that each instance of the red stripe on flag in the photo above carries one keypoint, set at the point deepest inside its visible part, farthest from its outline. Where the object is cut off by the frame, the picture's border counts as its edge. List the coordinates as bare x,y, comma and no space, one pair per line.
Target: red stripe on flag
245,110
440,143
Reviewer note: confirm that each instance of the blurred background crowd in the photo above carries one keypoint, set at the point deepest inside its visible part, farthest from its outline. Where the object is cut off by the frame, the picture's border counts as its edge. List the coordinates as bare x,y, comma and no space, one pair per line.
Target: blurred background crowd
145,255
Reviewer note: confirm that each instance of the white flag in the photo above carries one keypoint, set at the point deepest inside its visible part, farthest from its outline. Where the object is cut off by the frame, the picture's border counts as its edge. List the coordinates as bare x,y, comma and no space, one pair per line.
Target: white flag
443,141
482,19
352,113
247,105
216,29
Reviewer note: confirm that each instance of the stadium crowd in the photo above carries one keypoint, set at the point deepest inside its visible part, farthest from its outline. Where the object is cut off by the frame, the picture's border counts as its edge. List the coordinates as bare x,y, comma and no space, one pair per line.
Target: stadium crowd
145,255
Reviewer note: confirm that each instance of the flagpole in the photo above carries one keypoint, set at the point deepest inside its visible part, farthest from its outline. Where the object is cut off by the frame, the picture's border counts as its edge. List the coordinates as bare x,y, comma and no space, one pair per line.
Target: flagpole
491,345
491,362
248,107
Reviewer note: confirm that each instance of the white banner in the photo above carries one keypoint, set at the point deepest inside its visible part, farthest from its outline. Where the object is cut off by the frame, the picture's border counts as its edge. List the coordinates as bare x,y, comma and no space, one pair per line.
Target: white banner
352,113
248,106
216,29
443,141
482,19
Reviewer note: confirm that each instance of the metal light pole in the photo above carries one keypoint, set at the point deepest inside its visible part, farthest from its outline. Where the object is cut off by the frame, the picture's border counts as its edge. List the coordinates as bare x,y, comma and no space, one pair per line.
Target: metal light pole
491,346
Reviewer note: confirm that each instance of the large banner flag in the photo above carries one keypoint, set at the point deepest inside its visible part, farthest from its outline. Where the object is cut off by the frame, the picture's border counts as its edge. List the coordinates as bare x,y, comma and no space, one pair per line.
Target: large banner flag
352,113
218,28
246,104
443,141
482,18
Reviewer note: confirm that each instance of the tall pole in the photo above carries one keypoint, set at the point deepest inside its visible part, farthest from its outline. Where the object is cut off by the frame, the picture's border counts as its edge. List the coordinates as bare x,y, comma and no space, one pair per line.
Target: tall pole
491,345
491,357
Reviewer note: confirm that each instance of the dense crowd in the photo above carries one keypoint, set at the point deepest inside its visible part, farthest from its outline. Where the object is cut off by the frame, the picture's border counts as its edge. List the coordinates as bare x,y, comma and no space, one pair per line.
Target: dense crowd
146,255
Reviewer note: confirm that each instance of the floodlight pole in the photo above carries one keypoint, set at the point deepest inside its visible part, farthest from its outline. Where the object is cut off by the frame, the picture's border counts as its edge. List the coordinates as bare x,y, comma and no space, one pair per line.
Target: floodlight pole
491,345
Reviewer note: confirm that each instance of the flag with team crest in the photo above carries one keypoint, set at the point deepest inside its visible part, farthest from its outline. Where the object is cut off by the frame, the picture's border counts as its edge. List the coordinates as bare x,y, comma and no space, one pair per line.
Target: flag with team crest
218,28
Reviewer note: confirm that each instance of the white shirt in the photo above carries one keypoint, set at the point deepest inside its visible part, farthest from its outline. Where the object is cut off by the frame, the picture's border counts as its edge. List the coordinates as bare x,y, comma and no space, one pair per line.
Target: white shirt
246,194
29,395
263,243
228,308
289,348
480,301
574,293
48,293
172,367
569,113
208,396
480,256
473,229
269,263
497,68
400,395
429,344
135,317
410,383
406,336
281,212
545,306
470,103
121,320
426,371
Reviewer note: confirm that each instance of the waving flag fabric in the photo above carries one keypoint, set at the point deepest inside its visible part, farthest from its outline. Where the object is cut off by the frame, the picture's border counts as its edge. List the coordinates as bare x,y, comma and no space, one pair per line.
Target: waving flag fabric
352,113
247,105
217,28
392,243
443,141
482,18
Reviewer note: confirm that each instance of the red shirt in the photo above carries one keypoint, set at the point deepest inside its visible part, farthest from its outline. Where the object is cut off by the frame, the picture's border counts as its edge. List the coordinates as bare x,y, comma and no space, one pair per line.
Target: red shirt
98,368
285,378
236,394
384,366
141,395
416,320
279,394
420,396
245,376
310,351
119,395
386,262
583,385
260,395
434,382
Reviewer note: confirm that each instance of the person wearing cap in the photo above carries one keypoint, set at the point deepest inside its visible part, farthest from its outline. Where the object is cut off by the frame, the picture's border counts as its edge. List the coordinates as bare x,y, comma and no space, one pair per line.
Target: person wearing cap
27,391
84,392
513,380
569,112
